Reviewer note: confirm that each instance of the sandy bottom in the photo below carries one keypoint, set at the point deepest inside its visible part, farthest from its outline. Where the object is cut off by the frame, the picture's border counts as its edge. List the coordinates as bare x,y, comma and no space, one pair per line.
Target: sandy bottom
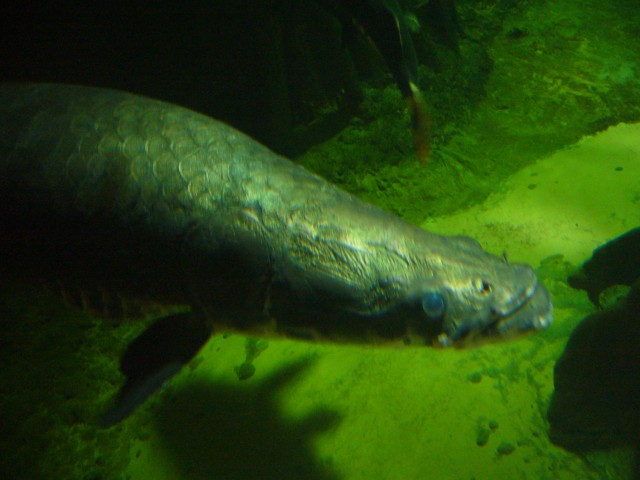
319,412
568,203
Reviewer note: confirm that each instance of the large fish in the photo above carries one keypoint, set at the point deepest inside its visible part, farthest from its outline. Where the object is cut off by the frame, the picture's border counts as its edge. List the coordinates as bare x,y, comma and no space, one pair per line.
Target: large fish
119,197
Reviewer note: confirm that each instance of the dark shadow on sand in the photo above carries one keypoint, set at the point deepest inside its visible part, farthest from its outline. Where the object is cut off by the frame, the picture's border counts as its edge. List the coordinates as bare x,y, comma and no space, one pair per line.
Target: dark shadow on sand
217,430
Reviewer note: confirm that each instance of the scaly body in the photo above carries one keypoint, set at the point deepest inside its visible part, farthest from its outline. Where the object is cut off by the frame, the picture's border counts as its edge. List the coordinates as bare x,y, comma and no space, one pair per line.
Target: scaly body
116,192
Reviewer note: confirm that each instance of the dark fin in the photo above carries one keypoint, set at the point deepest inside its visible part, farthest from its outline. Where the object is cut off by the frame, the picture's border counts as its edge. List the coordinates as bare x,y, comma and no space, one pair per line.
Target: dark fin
383,22
133,395
154,357
420,123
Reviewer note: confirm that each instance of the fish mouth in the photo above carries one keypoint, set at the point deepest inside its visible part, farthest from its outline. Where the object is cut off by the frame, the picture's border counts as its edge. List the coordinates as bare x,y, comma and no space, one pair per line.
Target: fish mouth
534,313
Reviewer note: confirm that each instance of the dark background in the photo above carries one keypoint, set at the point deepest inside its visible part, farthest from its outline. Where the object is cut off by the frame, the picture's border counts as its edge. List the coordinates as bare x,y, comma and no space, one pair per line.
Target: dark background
284,71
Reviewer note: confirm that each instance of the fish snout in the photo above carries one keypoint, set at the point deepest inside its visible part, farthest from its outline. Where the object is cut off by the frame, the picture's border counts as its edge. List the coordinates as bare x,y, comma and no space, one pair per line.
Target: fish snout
534,313
518,304
518,286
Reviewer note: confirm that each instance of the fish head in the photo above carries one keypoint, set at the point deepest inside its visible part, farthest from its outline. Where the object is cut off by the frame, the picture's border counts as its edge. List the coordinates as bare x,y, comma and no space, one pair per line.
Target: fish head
476,296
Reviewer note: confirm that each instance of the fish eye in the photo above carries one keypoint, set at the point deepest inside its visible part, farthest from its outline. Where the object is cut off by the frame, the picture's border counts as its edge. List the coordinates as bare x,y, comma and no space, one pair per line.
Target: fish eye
482,286
433,304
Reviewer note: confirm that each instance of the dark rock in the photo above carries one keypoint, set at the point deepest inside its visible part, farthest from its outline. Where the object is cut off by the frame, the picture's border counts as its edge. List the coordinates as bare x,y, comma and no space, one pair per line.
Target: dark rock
482,436
505,448
596,402
615,263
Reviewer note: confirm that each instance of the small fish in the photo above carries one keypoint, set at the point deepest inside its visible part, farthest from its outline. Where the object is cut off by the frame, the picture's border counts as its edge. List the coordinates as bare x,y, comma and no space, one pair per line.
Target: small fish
385,23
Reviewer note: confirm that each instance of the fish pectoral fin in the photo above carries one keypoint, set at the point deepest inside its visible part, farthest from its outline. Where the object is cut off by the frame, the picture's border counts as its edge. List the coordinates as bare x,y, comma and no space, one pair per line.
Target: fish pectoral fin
134,394
154,357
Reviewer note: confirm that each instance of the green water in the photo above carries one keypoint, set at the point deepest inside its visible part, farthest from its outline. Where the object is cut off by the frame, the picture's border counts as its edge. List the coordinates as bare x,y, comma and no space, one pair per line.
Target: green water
335,412
309,412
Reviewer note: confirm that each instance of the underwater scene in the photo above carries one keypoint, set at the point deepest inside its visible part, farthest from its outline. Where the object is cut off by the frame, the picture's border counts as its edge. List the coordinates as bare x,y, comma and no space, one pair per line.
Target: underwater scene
435,276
